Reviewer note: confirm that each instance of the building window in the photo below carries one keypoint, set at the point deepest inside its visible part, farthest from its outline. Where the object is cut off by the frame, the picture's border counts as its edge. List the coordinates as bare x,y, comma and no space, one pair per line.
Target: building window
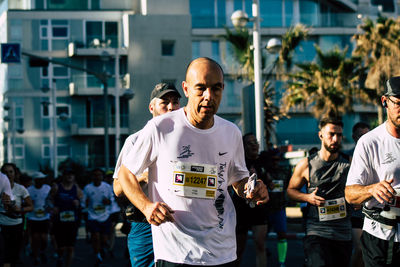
63,110
167,48
387,5
54,34
102,34
63,149
19,148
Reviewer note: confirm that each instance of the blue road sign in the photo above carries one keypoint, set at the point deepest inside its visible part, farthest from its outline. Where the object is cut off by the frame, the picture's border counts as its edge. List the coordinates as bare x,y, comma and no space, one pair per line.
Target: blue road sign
10,53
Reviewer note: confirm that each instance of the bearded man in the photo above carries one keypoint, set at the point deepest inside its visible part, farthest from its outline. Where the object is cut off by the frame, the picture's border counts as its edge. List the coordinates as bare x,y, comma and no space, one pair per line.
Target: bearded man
328,226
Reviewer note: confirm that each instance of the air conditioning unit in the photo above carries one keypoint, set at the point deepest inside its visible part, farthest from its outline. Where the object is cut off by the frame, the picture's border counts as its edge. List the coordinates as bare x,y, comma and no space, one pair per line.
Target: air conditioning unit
71,49
126,81
73,89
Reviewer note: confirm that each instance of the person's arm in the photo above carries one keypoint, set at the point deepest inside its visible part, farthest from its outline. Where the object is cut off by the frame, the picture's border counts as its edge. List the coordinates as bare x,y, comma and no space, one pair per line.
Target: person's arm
298,180
358,194
119,191
259,195
27,206
156,213
117,188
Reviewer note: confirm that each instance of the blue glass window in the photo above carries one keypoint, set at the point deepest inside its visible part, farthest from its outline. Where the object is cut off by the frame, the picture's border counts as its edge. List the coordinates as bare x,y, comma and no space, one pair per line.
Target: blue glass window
289,13
215,51
203,15
309,12
221,13
305,52
271,13
195,49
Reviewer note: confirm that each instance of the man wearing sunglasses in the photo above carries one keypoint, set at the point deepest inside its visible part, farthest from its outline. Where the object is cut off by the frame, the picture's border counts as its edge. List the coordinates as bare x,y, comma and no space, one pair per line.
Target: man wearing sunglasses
374,180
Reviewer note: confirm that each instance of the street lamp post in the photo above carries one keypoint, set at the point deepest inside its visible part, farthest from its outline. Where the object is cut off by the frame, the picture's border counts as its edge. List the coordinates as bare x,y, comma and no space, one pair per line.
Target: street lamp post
106,124
117,107
105,57
54,108
240,19
53,102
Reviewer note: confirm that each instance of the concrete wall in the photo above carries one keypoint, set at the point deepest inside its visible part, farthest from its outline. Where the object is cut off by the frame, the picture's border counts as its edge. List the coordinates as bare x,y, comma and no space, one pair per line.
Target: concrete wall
146,34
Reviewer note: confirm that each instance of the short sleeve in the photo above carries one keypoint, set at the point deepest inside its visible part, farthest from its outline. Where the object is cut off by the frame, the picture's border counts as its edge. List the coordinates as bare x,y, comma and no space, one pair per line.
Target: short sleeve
127,147
5,186
144,151
360,169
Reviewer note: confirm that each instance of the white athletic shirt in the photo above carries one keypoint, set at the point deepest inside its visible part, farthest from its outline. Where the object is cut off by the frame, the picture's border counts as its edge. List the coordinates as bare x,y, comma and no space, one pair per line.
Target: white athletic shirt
39,196
20,193
204,229
5,185
376,158
96,209
127,147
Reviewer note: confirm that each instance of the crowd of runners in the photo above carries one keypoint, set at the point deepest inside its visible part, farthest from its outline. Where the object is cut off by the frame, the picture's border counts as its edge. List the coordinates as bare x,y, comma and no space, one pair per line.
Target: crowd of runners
182,187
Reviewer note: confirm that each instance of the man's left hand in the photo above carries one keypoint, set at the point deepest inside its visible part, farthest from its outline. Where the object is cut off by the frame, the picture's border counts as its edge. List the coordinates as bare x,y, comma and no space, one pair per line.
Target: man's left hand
259,194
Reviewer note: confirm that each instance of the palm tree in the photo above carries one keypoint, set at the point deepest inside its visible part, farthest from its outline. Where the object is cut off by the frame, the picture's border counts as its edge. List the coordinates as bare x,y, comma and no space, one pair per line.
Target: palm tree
327,86
240,40
290,40
378,44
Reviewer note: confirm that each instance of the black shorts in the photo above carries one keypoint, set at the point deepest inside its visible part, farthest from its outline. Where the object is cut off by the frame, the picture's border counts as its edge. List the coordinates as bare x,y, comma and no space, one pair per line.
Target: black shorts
357,222
39,226
246,216
100,227
12,235
115,217
163,263
65,233
319,251
375,251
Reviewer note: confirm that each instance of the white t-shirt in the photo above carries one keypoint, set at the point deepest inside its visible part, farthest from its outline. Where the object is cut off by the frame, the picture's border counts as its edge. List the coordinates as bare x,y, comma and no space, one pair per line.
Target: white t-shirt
176,153
97,211
5,185
127,147
39,196
20,193
376,158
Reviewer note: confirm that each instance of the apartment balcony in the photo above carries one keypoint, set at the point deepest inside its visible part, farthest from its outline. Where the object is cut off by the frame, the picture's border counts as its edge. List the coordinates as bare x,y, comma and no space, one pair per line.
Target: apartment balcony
93,125
95,48
85,85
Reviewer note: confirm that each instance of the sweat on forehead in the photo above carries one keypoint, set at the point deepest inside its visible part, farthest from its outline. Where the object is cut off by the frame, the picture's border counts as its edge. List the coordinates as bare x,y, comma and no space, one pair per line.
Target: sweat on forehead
202,60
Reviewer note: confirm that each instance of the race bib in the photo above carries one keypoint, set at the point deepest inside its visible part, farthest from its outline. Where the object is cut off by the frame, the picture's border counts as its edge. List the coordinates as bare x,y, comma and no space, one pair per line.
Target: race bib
332,210
67,216
99,209
194,180
278,186
39,213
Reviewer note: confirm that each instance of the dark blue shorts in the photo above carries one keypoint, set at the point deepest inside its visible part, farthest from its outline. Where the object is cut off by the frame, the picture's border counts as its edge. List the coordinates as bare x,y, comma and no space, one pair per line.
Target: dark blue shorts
277,220
140,245
99,227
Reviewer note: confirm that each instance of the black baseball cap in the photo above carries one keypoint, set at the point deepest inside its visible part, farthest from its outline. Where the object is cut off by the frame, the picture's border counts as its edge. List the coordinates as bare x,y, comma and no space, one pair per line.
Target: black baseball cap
392,86
162,89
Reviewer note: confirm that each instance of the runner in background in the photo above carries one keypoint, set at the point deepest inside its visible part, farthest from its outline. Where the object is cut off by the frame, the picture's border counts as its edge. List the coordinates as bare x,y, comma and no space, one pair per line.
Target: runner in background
97,200
328,226
278,179
66,198
39,218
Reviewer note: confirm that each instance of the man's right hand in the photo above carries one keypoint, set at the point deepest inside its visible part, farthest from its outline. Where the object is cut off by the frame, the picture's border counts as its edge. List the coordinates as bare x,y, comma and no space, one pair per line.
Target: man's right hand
315,200
158,213
383,191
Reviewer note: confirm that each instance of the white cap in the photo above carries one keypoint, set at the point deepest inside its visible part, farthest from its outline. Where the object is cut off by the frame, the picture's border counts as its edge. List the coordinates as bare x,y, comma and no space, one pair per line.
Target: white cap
38,175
